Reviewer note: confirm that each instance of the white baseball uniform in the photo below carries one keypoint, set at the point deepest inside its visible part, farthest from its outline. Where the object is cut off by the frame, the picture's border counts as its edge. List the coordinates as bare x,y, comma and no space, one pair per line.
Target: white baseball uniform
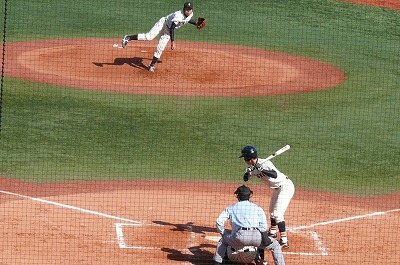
163,28
282,187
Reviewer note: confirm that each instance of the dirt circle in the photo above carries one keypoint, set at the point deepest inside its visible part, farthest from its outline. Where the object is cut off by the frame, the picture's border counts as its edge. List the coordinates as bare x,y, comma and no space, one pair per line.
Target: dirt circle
193,69
392,4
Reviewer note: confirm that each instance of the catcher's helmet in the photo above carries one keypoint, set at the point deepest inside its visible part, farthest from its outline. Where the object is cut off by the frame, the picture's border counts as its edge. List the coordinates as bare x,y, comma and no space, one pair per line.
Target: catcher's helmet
249,152
243,193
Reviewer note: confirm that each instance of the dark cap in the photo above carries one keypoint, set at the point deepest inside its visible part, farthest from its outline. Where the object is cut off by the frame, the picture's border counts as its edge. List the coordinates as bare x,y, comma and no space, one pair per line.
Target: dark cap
249,152
243,193
188,5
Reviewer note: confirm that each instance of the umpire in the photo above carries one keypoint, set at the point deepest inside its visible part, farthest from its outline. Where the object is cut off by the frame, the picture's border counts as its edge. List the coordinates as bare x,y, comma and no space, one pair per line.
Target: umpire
249,228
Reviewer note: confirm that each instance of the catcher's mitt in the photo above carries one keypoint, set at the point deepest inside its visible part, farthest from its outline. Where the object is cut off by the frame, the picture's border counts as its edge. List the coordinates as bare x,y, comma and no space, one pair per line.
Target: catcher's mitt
201,23
244,255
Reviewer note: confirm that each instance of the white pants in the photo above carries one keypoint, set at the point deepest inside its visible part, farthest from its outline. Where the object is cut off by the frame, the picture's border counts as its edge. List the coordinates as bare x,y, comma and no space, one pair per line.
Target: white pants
280,200
160,28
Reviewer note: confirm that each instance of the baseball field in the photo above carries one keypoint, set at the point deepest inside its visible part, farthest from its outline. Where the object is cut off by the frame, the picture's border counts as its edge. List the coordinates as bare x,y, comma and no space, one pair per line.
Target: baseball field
103,162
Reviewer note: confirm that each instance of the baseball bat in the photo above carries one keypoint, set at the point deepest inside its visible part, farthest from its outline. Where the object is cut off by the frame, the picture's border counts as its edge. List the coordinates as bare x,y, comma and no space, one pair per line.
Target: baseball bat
280,151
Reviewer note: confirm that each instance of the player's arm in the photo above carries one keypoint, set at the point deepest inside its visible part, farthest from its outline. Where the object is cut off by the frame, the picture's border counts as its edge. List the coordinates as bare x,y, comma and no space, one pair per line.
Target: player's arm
192,21
222,218
266,168
263,220
172,35
172,31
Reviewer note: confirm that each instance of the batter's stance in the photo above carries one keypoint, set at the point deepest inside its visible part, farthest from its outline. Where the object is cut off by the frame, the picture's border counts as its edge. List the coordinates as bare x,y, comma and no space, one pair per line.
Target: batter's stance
282,190
165,27
249,228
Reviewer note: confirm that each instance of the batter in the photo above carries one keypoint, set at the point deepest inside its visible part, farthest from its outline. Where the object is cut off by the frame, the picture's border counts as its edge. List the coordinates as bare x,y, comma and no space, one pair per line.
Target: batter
282,190
249,228
165,27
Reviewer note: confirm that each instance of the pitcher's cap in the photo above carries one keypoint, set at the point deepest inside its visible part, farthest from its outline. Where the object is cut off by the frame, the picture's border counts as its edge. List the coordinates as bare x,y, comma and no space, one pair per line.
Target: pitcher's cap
188,5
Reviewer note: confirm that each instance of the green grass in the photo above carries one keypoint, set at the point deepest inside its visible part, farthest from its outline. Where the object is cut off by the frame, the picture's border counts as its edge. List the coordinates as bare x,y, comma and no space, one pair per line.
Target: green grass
344,139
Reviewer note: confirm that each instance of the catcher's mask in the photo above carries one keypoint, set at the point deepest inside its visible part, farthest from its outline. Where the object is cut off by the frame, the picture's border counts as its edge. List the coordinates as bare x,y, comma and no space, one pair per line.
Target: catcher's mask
243,193
249,152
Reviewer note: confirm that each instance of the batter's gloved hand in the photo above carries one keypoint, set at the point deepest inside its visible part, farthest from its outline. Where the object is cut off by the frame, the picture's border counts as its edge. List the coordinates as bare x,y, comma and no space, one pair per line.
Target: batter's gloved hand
258,167
246,176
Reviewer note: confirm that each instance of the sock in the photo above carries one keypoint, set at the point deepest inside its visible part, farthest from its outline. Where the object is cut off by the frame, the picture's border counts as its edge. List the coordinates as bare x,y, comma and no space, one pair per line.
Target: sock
274,227
273,230
132,37
282,226
154,61
283,237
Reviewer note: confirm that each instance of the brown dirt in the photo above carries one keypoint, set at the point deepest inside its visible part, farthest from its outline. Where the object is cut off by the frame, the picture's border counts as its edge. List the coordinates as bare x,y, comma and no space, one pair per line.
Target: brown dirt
393,4
193,69
160,222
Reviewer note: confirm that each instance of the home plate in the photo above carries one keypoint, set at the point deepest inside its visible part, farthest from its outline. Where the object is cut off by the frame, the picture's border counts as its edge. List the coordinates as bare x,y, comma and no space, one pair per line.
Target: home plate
117,46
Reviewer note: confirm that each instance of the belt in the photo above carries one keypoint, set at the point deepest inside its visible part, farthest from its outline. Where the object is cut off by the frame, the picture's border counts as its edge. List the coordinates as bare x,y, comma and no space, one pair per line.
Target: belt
248,228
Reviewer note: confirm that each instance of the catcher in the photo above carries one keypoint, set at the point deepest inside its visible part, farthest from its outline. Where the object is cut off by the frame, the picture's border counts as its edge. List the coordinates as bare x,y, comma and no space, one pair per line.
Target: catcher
249,228
165,27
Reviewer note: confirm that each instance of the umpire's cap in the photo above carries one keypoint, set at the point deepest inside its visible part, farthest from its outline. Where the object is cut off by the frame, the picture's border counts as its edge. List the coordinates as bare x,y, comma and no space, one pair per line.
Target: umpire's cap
188,5
249,152
243,193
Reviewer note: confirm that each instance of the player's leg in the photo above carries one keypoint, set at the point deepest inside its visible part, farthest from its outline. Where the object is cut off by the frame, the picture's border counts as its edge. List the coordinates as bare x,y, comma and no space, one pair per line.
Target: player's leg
162,43
275,248
225,241
155,30
273,229
220,252
283,197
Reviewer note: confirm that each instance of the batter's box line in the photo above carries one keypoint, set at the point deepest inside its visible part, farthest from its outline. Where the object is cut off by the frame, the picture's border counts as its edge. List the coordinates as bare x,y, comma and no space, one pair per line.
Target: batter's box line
122,244
121,239
322,250
318,243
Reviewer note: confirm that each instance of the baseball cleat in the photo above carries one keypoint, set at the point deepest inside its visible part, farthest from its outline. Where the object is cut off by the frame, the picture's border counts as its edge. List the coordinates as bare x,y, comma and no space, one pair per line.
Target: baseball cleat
261,262
284,244
151,69
125,40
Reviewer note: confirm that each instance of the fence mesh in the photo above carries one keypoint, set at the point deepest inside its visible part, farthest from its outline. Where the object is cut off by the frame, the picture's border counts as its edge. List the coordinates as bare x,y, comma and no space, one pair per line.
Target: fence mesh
121,127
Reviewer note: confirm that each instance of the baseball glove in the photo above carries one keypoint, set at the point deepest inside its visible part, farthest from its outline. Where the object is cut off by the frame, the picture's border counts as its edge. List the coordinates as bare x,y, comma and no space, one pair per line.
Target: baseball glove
244,255
201,23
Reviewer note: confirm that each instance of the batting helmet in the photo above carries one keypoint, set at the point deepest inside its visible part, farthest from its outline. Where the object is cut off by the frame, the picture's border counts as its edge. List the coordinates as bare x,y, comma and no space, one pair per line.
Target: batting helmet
245,255
249,152
243,193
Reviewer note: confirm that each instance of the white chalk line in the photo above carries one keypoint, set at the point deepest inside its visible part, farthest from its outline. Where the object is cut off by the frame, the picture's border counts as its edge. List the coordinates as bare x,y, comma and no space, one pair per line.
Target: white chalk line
122,244
318,242
71,207
343,220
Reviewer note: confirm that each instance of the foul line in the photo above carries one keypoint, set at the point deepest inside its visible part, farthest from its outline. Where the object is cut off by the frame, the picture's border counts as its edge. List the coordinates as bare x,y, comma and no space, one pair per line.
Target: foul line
121,239
71,207
343,219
